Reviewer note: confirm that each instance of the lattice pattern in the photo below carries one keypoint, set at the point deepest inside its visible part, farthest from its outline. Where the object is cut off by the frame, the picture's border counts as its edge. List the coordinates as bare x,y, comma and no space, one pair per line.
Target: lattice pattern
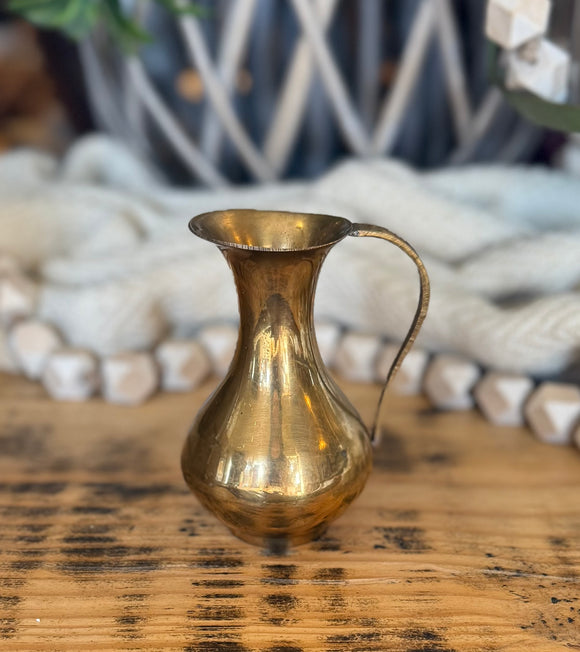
369,125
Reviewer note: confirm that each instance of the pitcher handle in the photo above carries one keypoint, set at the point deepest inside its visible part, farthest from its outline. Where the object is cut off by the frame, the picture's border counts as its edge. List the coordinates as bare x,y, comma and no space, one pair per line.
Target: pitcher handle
369,230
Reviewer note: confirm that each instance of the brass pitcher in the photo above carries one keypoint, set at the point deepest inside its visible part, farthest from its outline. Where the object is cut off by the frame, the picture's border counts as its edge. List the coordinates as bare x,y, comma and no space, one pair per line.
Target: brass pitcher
277,451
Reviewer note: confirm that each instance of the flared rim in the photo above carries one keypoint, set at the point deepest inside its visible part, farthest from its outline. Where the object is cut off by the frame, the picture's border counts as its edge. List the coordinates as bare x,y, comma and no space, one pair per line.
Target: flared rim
257,230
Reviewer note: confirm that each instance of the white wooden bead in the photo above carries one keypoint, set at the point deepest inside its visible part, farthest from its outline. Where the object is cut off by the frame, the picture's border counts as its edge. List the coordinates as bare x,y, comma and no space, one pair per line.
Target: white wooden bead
356,356
129,378
449,381
17,298
9,264
530,51
32,342
501,397
328,336
184,364
71,374
220,342
8,362
409,378
547,76
510,23
552,412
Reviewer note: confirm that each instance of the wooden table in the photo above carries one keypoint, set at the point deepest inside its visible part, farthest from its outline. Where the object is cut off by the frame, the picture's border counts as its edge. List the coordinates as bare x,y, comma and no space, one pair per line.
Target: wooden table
467,537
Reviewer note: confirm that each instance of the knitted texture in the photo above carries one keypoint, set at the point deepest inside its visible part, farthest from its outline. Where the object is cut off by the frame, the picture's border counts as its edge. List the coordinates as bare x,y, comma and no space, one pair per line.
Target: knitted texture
119,271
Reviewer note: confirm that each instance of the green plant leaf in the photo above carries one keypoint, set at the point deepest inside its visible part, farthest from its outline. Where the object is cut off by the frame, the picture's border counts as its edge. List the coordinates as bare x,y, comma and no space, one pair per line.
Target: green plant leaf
71,16
77,18
561,117
492,67
179,8
127,31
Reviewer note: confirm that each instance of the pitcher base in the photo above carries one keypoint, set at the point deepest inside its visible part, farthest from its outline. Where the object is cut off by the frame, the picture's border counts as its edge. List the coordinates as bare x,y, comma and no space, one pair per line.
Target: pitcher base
280,545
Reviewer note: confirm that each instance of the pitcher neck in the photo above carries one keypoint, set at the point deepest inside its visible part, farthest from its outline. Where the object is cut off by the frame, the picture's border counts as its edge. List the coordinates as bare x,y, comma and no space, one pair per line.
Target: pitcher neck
275,287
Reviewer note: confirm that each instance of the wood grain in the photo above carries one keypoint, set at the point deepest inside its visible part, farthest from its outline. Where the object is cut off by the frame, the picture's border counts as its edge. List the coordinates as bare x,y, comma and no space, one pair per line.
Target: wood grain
467,537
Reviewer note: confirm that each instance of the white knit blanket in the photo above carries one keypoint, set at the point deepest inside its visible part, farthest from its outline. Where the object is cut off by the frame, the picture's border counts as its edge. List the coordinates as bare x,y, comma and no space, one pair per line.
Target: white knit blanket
119,270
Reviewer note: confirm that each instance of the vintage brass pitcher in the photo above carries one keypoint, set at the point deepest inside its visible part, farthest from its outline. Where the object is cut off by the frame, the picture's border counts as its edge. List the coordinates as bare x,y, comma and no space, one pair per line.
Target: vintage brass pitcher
277,451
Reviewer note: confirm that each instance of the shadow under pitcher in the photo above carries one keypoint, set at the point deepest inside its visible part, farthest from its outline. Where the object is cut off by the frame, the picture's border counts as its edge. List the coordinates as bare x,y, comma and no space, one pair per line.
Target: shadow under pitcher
277,451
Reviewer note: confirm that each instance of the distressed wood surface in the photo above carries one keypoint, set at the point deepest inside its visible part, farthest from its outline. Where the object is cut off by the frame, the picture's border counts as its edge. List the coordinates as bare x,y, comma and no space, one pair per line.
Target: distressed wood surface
467,537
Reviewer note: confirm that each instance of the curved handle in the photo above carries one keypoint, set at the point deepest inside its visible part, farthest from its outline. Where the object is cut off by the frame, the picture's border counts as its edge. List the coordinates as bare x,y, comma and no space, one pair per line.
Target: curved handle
369,230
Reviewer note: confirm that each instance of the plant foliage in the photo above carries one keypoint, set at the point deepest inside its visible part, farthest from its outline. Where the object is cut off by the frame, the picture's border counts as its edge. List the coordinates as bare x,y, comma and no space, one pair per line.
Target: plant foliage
77,18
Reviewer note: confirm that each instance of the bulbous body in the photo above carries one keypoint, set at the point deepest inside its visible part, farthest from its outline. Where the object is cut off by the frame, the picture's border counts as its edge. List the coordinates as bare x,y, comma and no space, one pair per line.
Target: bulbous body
277,451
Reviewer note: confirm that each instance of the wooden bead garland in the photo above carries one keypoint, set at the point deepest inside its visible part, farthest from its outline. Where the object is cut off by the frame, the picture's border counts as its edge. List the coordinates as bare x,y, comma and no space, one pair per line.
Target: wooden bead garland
553,411
328,336
356,356
71,374
184,365
450,382
511,24
533,63
409,378
501,397
129,378
32,341
17,297
220,342
544,72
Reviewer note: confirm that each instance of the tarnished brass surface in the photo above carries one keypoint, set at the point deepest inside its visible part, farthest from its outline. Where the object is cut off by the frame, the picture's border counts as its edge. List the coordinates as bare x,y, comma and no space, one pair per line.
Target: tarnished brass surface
277,451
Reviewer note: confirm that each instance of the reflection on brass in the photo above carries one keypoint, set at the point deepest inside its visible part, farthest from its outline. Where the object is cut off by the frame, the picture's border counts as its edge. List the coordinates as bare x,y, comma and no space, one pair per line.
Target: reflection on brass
277,452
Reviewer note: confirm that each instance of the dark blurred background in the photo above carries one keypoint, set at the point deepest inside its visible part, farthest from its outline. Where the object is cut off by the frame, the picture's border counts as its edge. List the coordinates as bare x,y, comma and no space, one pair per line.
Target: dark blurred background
52,92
